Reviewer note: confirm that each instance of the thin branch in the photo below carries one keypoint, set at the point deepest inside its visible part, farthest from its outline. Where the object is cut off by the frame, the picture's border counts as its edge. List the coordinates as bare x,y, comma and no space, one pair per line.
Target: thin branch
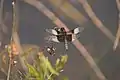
88,9
1,11
3,27
9,68
37,4
118,4
16,37
96,20
118,32
65,8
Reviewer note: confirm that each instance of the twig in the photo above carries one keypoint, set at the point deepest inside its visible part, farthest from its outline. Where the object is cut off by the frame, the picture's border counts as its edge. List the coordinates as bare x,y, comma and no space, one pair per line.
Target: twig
37,4
9,68
96,20
17,42
65,8
49,76
118,32
1,23
3,26
1,11
16,37
4,71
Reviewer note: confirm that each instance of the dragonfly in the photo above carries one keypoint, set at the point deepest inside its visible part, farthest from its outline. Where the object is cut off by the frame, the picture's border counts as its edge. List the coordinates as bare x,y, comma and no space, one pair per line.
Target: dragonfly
59,35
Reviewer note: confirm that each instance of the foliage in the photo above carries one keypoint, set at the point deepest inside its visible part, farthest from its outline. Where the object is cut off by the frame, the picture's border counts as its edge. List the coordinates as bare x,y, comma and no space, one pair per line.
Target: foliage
39,69
42,69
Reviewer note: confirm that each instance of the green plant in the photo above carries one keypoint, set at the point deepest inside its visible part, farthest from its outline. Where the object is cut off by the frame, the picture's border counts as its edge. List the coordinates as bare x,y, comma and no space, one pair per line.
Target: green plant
42,69
39,69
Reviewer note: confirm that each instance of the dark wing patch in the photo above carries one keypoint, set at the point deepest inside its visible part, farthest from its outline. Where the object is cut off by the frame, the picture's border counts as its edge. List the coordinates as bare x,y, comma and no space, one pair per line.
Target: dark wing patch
69,37
61,38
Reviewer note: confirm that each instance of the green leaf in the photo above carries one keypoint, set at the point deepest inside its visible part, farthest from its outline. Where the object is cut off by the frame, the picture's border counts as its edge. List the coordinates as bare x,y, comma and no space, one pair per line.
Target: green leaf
47,64
65,78
33,72
51,69
42,69
57,62
64,59
61,62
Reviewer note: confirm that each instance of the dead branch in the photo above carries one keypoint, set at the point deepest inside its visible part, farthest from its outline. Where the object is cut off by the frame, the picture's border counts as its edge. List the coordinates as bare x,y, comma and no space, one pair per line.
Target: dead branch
2,26
118,32
20,50
1,10
96,20
15,36
65,8
37,4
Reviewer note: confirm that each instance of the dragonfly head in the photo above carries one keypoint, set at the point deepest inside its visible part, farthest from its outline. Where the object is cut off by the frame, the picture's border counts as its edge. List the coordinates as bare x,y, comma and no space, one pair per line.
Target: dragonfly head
62,29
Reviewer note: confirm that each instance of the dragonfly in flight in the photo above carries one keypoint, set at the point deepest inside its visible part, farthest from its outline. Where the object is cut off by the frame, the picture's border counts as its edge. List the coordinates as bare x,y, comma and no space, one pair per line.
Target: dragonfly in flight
61,35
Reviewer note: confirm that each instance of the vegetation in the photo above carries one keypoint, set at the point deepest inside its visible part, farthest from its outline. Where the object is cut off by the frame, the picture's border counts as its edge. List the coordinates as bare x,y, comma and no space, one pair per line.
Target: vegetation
43,70
40,69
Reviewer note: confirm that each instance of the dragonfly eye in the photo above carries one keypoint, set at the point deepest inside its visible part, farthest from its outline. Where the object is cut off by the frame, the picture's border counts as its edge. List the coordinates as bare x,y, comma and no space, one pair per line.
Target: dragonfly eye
55,28
62,29
59,30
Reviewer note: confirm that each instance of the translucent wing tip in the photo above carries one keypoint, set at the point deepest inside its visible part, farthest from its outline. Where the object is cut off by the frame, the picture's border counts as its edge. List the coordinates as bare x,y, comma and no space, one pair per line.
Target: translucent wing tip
47,38
81,29
46,30
78,30
51,31
51,38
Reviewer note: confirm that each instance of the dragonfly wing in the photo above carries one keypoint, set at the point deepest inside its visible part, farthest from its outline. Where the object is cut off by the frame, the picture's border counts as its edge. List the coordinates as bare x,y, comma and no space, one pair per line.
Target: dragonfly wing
74,37
77,30
52,38
52,31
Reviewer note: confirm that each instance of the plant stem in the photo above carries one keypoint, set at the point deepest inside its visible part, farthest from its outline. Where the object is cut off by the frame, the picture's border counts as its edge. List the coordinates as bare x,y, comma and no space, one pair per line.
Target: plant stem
9,69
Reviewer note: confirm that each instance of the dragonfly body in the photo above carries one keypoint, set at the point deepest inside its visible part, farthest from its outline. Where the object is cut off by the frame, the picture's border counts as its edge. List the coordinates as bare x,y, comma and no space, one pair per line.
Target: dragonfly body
60,35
